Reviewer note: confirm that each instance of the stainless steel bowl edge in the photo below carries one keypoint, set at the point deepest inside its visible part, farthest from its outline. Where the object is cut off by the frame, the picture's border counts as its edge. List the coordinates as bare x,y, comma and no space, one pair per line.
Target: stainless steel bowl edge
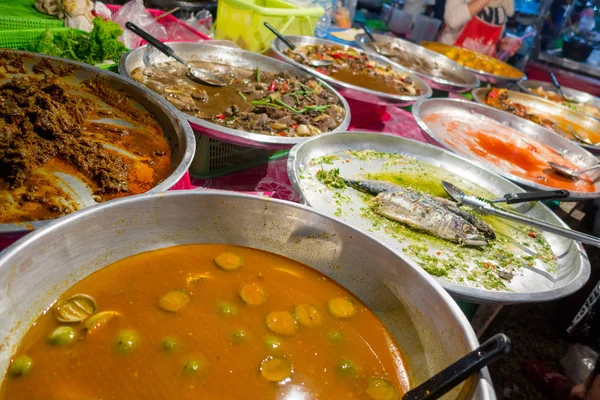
471,80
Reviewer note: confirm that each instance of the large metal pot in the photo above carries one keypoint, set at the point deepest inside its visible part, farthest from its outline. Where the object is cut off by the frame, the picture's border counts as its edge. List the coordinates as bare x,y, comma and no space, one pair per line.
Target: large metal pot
426,323
176,130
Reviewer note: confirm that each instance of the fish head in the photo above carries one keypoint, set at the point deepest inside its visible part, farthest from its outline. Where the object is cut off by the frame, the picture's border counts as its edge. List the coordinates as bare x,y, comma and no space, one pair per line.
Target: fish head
471,236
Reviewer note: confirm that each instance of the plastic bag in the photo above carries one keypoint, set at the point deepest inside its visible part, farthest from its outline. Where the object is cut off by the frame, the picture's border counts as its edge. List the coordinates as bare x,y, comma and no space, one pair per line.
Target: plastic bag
202,21
579,362
135,12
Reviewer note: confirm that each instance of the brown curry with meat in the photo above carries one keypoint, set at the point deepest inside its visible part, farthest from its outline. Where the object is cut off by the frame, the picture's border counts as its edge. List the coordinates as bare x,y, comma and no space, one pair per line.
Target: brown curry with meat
88,131
206,321
354,67
274,104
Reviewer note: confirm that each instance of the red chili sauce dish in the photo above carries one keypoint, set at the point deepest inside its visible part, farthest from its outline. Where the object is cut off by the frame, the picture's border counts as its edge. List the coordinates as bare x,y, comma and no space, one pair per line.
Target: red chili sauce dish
507,149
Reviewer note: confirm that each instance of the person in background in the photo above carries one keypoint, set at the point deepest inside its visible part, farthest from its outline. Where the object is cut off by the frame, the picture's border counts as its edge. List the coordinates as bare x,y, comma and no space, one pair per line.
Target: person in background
478,25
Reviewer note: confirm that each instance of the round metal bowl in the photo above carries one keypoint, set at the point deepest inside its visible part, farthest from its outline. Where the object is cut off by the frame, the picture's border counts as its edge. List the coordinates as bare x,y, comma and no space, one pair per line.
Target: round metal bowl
576,95
423,319
441,62
352,91
529,286
458,108
177,132
484,76
148,55
549,109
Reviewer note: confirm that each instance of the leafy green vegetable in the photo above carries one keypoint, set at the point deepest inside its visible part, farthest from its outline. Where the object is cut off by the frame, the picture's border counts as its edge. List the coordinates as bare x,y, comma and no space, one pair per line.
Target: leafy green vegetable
99,45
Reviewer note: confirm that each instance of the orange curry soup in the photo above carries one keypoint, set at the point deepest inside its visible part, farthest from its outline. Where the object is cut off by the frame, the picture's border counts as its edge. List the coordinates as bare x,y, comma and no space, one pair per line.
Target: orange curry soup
206,322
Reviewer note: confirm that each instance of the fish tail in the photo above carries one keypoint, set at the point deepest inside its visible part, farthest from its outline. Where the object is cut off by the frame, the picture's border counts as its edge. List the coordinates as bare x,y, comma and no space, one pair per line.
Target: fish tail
371,186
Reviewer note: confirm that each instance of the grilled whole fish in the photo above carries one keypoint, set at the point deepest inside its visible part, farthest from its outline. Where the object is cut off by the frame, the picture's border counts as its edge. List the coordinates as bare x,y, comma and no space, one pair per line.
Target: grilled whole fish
435,215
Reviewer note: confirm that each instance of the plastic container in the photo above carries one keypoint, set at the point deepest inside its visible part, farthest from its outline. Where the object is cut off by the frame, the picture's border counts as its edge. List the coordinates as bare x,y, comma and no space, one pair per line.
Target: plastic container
177,30
242,21
22,14
344,13
425,29
19,39
400,22
215,158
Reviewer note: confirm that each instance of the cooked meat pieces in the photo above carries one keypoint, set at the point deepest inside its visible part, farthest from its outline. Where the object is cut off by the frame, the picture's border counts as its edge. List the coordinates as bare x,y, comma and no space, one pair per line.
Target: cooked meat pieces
274,105
40,120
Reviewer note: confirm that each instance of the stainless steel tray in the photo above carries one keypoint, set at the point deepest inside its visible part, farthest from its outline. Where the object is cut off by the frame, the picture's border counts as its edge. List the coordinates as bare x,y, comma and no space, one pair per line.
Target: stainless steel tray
456,108
148,55
533,286
176,130
576,95
352,91
549,109
489,77
441,62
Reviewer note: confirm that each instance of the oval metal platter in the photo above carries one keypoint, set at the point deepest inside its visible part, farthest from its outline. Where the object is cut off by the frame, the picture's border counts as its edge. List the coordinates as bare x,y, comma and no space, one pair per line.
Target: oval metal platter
345,151
148,55
346,89
177,132
548,109
483,75
576,95
457,108
421,55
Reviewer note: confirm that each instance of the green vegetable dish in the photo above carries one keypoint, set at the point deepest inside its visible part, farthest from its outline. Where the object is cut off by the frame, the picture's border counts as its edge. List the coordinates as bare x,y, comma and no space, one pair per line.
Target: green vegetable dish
400,199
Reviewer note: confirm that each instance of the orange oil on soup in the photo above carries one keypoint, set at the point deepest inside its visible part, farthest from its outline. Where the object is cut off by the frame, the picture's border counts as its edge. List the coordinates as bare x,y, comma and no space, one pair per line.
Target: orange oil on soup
206,322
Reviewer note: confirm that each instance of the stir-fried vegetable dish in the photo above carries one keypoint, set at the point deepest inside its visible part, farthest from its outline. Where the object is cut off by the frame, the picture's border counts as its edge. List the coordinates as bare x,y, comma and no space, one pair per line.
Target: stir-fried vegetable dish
354,67
589,109
206,322
275,104
500,99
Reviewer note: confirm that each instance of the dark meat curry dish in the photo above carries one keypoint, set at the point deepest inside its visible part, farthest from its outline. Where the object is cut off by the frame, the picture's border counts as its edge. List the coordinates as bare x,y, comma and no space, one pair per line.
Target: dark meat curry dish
274,104
355,68
88,131
207,321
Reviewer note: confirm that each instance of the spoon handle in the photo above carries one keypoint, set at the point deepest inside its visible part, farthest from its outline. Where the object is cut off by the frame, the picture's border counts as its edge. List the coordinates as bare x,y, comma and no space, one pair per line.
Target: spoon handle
555,82
368,32
280,36
154,42
442,382
545,226
582,171
513,198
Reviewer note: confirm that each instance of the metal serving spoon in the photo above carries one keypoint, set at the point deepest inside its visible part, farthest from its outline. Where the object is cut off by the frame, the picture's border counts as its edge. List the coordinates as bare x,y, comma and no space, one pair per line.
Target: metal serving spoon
292,46
557,85
487,208
523,197
581,138
570,173
197,74
442,382
374,42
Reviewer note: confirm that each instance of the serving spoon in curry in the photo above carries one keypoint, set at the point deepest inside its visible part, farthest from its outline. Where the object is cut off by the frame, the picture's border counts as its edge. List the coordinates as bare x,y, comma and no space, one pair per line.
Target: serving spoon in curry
197,74
444,381
292,46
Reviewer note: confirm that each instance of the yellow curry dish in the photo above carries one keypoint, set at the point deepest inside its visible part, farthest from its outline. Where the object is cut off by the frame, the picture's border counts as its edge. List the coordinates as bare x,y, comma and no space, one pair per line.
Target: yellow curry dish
206,321
475,61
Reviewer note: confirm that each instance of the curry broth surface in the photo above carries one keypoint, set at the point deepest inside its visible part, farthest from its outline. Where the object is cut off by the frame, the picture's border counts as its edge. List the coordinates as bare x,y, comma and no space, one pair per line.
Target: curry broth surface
91,368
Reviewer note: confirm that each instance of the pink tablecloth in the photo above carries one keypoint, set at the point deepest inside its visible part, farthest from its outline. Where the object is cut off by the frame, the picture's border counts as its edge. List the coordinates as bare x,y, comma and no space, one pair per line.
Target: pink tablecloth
272,180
